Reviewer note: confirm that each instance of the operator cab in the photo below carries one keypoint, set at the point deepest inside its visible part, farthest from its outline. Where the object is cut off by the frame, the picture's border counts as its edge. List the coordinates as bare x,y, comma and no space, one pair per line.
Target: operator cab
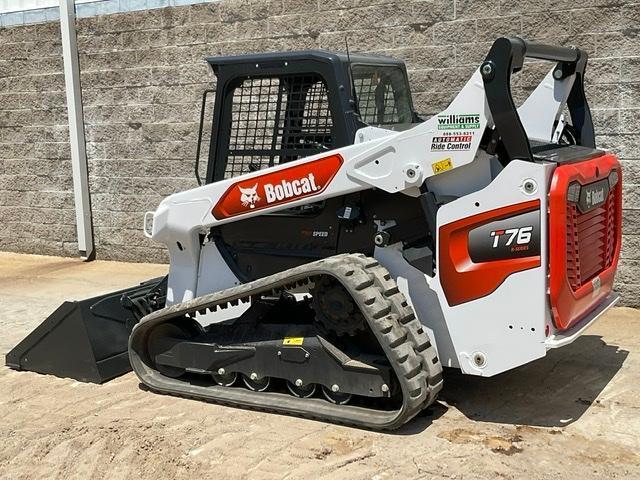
273,108
278,107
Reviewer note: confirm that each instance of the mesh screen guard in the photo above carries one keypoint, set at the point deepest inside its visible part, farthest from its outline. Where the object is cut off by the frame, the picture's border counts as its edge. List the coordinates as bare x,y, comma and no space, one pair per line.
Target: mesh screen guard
277,119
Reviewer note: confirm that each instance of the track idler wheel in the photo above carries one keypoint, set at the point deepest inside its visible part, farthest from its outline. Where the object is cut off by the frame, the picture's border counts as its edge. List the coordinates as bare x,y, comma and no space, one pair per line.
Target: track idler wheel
335,396
154,345
301,391
255,383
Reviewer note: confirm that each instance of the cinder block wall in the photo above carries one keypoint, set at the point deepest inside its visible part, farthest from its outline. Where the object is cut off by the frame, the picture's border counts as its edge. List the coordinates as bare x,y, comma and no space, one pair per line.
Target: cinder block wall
36,197
143,74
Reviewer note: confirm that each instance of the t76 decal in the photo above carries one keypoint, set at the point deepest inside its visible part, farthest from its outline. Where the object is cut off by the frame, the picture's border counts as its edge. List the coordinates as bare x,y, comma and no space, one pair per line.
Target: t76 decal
276,188
514,237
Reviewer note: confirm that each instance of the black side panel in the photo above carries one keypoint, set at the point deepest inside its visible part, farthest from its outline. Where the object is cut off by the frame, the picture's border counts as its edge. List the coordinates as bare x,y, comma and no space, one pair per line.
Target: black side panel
85,340
267,244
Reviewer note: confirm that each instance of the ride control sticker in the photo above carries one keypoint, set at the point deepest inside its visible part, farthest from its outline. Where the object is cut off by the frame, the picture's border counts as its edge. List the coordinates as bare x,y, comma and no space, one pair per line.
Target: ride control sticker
275,188
293,341
449,142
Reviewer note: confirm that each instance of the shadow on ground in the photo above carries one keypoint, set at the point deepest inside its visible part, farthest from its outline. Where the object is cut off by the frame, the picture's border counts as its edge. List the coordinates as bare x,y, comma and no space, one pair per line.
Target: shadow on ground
551,392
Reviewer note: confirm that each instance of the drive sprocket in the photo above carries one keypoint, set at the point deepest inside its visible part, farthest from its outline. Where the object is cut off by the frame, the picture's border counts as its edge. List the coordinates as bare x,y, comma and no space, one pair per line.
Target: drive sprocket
335,309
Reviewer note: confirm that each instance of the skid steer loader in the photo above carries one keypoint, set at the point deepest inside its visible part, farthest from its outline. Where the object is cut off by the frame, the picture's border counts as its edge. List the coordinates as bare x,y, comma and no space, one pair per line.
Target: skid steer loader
343,250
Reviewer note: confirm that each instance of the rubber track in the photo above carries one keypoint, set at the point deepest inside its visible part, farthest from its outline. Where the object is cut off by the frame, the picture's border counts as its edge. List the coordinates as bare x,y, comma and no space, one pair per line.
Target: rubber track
391,319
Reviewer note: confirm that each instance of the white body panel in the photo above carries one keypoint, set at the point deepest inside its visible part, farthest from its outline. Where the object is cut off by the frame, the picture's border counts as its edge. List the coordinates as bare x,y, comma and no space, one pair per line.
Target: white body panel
505,328
544,106
213,273
415,286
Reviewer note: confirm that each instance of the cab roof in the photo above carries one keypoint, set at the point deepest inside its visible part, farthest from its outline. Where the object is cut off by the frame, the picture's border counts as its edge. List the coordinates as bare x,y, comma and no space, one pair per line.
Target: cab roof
273,59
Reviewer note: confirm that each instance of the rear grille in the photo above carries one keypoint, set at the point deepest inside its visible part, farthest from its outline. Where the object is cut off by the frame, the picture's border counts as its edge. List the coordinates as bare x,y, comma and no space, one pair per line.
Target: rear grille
585,223
591,241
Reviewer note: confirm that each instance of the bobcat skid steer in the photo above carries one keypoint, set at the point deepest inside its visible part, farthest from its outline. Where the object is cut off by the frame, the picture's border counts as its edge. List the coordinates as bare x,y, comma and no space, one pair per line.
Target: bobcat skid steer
343,250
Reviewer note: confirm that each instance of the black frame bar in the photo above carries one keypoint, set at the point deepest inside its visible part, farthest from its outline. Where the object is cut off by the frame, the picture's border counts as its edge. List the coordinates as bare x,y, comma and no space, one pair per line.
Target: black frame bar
205,94
506,57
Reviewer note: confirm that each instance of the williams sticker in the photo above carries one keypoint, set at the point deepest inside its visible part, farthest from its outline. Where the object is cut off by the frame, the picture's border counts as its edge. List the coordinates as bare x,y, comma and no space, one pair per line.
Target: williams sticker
454,121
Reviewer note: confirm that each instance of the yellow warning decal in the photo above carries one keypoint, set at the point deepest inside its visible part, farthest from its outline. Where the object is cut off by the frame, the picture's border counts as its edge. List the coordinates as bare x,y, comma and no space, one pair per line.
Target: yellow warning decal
293,340
442,166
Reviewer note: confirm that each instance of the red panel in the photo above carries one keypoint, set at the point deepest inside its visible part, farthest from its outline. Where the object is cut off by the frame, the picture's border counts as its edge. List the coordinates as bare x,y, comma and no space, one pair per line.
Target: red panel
583,247
463,280
276,188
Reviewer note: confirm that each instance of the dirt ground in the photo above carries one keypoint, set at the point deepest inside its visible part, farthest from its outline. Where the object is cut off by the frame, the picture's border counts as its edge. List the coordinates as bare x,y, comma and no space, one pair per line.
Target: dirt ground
573,414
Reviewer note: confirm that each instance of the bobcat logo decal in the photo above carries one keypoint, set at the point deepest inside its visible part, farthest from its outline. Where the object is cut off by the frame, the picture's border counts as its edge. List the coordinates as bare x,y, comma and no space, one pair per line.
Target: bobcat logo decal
277,186
249,196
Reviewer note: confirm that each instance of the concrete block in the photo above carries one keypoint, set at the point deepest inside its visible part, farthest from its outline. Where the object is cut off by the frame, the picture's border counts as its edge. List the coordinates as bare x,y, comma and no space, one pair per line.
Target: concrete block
546,24
488,29
597,20
474,9
630,247
631,223
11,19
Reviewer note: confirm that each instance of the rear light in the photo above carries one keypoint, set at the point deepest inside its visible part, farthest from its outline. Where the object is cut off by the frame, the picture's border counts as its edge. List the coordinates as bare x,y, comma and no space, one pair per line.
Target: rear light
585,216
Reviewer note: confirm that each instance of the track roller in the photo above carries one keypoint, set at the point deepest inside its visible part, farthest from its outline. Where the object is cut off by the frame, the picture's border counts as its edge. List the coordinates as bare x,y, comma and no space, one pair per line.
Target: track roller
301,391
335,396
224,379
255,383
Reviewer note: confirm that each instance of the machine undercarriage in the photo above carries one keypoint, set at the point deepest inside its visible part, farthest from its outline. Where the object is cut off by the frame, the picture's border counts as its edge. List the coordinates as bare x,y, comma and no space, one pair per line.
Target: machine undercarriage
278,356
